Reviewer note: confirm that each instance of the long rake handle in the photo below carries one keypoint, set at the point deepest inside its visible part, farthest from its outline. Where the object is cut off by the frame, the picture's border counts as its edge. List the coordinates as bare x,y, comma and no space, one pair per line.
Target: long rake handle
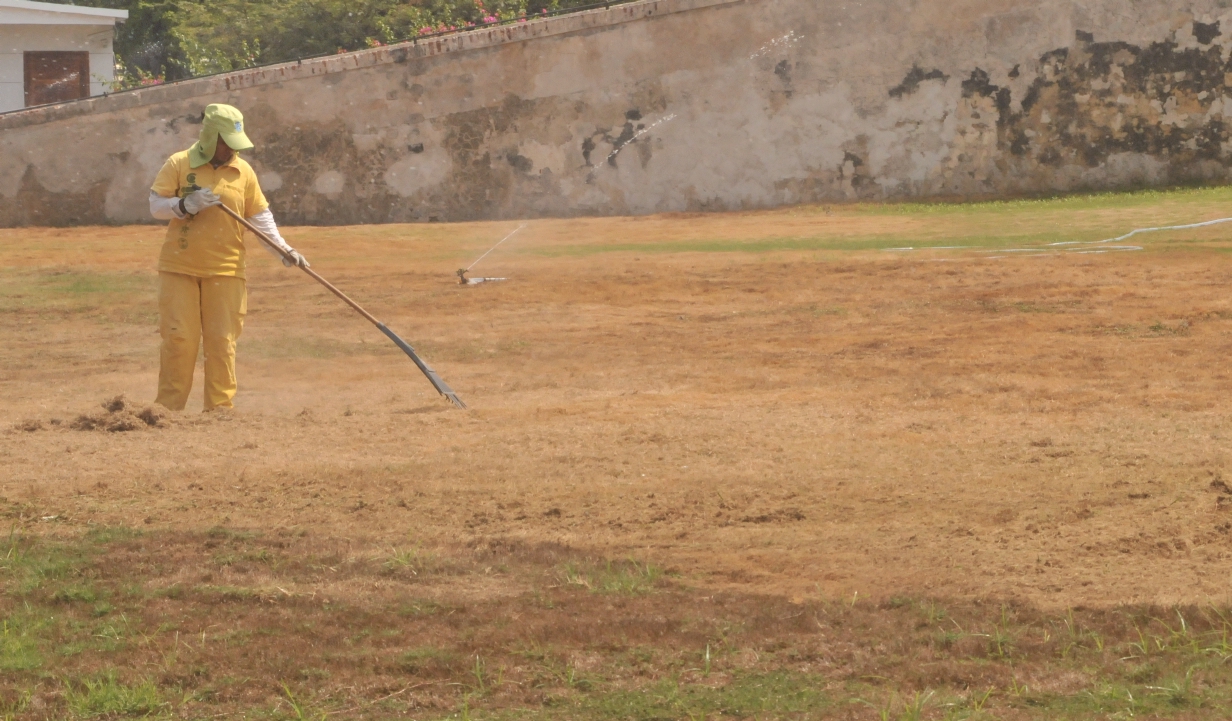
440,385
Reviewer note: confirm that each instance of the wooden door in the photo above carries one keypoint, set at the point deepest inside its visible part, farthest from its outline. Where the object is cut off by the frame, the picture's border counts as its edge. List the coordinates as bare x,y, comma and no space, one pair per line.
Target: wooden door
54,77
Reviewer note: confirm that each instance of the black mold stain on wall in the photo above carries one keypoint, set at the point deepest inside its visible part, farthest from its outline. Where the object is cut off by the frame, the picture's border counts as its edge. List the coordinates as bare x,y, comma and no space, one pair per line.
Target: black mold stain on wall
475,183
915,76
1206,32
301,153
1099,99
628,134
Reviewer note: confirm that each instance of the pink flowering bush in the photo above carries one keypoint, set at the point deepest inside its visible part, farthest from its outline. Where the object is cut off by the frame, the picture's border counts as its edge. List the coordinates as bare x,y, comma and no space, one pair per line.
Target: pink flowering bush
127,78
197,37
467,14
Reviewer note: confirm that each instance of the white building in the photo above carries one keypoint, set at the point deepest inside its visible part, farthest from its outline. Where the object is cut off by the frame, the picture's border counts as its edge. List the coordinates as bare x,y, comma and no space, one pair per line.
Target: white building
53,53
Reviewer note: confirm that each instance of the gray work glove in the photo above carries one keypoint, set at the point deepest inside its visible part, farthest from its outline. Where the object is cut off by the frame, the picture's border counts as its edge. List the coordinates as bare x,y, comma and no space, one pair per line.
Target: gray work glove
294,259
199,200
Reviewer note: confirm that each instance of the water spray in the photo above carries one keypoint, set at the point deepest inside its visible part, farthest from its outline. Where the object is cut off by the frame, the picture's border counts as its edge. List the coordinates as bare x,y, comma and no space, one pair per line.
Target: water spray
440,385
461,273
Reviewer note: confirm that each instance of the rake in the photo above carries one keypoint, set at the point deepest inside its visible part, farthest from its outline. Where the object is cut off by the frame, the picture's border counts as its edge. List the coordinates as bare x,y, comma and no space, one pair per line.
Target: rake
440,385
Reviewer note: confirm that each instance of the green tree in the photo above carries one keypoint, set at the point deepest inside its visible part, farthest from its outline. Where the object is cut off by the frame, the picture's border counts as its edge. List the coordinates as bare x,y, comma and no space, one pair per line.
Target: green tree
177,39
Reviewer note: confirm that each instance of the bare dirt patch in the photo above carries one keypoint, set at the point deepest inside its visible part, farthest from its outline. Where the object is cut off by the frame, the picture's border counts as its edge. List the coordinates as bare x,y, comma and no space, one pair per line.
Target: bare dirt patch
801,422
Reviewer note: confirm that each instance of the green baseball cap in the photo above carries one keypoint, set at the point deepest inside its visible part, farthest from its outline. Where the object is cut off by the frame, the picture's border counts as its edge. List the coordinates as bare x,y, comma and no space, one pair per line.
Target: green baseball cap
222,121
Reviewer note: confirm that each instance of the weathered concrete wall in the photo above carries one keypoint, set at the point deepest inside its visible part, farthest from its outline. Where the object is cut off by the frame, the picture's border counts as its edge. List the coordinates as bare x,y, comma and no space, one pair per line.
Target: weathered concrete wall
672,105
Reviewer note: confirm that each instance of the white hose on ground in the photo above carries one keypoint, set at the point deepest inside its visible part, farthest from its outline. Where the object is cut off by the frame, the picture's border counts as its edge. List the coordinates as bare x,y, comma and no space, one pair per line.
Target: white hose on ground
1132,233
1042,249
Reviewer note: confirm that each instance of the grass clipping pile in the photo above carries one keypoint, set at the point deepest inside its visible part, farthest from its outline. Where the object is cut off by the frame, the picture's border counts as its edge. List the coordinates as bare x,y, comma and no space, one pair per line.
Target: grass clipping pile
118,415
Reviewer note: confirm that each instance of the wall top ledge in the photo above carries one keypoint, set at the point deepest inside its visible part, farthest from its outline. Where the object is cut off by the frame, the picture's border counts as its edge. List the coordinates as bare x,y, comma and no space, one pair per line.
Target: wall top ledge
477,39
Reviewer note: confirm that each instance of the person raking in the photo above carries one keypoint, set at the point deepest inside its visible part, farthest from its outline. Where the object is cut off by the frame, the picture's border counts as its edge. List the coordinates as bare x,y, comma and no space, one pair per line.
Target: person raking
202,296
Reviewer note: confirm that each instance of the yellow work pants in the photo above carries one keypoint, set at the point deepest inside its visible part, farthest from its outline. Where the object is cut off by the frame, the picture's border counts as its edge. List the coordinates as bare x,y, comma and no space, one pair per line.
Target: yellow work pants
190,310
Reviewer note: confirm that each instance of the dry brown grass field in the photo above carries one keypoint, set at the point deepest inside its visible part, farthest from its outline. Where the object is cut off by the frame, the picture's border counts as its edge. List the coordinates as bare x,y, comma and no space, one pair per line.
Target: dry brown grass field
756,465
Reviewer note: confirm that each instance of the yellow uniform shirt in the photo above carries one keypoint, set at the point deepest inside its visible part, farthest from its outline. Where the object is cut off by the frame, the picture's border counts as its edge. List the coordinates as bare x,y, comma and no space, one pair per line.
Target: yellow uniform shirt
211,242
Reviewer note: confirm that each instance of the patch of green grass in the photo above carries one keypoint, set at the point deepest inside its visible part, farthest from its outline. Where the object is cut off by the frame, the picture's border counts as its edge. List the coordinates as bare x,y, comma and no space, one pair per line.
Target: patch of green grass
614,577
227,593
1121,700
14,702
426,658
111,634
104,535
71,649
107,696
259,555
747,245
228,534
75,594
174,592
1023,223
636,645
19,647
95,283
773,695
113,296
1161,328
413,560
421,607
301,709
1105,200
819,312
898,708
27,565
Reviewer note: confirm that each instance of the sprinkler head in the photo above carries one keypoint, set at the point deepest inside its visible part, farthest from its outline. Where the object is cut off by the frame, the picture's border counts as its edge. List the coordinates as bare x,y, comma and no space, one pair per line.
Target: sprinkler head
462,277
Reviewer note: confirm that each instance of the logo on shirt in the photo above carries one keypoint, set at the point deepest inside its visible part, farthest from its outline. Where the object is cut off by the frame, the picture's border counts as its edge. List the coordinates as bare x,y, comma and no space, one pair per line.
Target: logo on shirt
191,187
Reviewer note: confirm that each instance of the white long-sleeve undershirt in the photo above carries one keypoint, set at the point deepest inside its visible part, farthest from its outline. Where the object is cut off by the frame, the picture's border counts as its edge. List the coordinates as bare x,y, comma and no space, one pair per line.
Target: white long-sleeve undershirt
165,208
264,222
169,208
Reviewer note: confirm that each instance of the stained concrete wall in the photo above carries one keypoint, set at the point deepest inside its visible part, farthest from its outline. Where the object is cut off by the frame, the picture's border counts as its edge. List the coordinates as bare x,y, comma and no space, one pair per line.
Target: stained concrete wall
678,105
